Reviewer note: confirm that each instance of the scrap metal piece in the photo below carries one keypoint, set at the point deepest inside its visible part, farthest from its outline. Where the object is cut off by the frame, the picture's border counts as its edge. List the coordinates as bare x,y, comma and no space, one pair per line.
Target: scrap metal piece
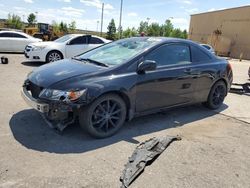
4,60
144,155
244,89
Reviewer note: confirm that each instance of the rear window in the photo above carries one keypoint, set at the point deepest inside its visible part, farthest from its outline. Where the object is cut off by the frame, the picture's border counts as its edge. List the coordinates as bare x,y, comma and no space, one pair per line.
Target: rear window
199,55
207,47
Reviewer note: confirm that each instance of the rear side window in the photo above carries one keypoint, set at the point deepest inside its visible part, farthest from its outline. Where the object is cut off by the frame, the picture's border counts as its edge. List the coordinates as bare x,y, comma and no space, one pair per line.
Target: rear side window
15,35
199,55
173,54
95,40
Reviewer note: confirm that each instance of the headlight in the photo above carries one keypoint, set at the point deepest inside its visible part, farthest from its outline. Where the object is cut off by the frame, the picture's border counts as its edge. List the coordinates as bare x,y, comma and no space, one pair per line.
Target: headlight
37,48
58,95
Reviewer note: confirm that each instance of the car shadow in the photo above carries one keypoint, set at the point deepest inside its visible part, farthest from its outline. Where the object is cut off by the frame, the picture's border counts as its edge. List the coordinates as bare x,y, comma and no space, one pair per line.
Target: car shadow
32,63
12,53
31,131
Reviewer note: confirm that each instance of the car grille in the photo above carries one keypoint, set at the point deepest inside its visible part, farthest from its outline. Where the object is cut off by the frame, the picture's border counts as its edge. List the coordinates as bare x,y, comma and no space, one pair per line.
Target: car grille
34,89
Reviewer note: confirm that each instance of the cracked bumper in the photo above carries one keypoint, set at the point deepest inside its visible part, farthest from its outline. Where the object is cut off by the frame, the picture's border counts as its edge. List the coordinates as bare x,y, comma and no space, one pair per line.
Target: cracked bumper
57,116
40,107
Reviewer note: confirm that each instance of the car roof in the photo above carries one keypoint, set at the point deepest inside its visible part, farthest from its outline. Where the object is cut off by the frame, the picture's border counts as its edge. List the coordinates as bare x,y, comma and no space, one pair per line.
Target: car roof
165,40
162,40
78,35
205,45
171,39
17,32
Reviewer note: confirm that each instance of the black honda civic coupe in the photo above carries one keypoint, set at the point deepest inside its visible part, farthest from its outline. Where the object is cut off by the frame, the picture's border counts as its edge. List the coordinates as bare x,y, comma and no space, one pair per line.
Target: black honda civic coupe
108,85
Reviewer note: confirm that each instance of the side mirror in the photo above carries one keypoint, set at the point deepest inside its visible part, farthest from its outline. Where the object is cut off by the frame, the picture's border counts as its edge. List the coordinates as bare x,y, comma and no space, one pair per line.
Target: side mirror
147,65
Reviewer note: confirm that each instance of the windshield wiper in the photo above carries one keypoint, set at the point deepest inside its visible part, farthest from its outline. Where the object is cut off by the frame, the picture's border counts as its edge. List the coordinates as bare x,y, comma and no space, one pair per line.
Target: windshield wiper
91,61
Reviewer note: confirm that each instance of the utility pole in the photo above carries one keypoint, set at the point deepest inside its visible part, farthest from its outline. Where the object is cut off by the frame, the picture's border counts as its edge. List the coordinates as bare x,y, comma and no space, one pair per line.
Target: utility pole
97,27
102,18
36,16
120,24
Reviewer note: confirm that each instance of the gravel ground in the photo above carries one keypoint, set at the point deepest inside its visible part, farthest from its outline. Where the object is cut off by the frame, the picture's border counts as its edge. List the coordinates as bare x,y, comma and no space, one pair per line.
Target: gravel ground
214,151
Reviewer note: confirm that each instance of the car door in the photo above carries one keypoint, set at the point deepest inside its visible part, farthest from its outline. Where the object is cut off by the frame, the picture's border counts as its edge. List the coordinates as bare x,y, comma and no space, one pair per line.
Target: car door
208,70
95,42
2,42
77,46
7,42
172,83
20,41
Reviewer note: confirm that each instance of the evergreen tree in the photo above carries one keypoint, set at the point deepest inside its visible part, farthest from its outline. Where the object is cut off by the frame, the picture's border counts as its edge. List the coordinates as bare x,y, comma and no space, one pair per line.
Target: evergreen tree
72,26
111,34
31,19
167,28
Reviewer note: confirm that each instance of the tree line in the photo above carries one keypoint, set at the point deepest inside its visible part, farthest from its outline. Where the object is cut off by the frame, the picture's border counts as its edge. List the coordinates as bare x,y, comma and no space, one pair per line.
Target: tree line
14,22
154,29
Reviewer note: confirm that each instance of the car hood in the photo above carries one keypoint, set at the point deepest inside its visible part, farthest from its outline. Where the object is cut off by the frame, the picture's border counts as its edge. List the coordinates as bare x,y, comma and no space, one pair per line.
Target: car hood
52,73
49,43
36,40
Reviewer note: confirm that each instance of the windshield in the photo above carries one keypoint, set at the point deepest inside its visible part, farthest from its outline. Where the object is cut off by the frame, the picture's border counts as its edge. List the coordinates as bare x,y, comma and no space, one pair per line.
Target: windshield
64,38
119,52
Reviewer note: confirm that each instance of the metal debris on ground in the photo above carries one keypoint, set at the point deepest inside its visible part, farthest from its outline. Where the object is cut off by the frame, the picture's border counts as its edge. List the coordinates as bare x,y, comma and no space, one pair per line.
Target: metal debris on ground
4,60
242,89
144,155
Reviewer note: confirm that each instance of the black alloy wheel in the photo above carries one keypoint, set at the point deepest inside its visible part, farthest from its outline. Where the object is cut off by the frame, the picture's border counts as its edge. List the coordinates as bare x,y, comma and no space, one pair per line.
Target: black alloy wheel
217,95
104,117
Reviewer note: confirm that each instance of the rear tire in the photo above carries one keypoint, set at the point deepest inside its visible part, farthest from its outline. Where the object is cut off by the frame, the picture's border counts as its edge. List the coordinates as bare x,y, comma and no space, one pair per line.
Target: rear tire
217,95
53,56
104,117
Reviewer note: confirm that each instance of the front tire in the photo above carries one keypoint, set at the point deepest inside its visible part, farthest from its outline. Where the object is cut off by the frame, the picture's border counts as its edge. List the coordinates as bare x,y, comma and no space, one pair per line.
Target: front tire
217,95
53,56
104,117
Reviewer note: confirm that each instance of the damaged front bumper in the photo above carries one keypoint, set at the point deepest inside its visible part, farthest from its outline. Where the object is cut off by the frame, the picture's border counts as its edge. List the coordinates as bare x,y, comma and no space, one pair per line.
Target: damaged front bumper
57,115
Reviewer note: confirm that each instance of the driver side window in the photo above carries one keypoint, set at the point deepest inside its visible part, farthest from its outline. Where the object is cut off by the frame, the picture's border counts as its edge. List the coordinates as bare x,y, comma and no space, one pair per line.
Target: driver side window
170,55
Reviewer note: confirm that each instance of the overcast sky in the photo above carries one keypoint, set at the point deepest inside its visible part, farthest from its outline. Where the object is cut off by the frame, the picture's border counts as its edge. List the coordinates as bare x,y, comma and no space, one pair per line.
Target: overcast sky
87,13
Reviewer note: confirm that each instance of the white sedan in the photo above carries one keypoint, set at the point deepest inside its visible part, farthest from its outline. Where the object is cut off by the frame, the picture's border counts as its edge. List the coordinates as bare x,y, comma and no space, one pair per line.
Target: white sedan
65,47
13,41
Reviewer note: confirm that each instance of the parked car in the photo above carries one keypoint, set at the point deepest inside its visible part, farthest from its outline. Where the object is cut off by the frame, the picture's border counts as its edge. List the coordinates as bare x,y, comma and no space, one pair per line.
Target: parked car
249,72
65,47
13,41
209,48
124,79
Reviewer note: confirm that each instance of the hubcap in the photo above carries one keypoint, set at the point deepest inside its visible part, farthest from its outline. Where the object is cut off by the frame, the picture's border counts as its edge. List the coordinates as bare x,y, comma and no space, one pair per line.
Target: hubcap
106,116
219,95
54,57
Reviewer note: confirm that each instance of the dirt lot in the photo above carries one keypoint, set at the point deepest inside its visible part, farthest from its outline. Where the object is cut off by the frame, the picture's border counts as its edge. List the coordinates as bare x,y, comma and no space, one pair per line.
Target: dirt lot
214,151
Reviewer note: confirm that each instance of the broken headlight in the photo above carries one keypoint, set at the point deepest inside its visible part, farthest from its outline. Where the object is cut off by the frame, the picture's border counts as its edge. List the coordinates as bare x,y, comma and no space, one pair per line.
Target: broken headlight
58,95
